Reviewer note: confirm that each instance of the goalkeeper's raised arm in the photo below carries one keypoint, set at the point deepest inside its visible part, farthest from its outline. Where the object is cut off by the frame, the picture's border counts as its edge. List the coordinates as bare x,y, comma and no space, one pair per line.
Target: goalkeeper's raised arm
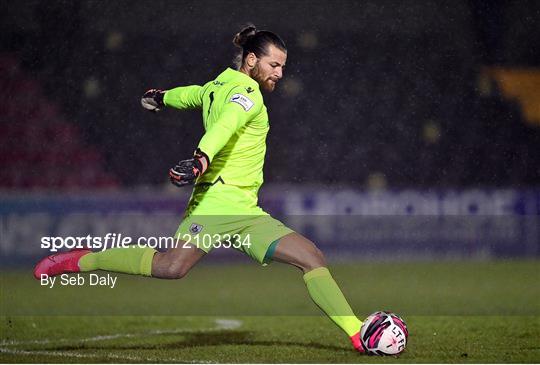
183,97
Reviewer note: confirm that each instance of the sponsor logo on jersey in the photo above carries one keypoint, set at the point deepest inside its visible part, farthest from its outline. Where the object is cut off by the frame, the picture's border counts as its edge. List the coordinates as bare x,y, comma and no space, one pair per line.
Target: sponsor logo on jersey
243,100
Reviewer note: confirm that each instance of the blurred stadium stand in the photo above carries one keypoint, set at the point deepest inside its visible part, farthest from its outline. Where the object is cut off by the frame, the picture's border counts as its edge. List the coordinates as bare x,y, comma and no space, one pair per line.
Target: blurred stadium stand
38,148
391,97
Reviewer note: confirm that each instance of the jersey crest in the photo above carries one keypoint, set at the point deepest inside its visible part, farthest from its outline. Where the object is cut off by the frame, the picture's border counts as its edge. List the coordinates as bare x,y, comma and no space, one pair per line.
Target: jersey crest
195,228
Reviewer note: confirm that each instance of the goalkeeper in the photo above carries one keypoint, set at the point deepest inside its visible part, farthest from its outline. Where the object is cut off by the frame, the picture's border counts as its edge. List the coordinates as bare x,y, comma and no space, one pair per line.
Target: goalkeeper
227,170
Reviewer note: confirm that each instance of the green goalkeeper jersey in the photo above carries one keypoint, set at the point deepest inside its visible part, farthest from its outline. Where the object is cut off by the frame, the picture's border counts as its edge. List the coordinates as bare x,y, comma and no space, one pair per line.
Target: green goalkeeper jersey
235,122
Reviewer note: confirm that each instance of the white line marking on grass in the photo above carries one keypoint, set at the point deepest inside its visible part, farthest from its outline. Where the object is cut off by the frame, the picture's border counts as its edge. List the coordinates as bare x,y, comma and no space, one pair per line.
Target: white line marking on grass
97,356
66,354
221,324
228,324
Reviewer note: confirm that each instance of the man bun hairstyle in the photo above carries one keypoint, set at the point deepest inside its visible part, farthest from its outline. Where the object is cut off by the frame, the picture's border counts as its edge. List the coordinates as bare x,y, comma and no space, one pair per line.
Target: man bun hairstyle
241,37
251,40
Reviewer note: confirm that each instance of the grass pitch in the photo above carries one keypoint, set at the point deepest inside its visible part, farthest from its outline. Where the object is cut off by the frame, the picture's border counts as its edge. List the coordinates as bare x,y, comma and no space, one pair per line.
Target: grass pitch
456,312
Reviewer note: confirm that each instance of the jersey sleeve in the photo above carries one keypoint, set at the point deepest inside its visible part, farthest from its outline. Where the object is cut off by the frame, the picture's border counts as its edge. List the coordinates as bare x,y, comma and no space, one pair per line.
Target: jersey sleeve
184,97
240,107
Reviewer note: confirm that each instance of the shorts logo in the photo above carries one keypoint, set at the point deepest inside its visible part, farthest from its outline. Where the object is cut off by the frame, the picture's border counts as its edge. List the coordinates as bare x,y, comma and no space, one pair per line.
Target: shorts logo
195,228
243,100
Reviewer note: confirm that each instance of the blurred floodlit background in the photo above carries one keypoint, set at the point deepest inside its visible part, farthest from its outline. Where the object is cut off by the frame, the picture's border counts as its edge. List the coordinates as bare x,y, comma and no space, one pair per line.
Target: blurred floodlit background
387,108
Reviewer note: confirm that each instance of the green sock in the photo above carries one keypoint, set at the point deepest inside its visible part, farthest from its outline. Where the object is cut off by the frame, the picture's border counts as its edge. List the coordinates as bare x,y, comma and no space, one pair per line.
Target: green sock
131,260
326,294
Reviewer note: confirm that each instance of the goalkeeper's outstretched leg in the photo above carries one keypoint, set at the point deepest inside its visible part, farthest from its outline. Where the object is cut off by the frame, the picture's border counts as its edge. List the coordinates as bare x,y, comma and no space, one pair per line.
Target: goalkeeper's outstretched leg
173,264
296,250
293,249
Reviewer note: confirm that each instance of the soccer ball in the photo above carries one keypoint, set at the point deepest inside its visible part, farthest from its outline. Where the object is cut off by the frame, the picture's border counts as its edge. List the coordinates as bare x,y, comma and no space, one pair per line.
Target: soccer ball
384,333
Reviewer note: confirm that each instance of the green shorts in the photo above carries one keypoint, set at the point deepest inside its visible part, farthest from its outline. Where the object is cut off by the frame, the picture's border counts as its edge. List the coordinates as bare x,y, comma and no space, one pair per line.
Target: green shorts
228,216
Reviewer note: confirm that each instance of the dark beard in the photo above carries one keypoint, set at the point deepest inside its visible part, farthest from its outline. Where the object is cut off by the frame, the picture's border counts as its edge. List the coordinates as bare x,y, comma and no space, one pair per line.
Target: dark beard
255,74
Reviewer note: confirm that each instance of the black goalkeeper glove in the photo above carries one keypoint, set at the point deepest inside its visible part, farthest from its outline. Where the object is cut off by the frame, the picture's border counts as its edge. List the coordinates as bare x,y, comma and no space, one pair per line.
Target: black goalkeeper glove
187,171
152,100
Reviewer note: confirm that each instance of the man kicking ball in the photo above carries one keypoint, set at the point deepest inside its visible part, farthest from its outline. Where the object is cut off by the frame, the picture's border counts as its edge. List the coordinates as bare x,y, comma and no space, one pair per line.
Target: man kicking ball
227,170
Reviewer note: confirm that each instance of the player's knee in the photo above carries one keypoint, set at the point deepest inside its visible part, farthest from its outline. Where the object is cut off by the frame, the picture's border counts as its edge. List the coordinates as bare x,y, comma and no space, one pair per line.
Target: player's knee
314,260
176,271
